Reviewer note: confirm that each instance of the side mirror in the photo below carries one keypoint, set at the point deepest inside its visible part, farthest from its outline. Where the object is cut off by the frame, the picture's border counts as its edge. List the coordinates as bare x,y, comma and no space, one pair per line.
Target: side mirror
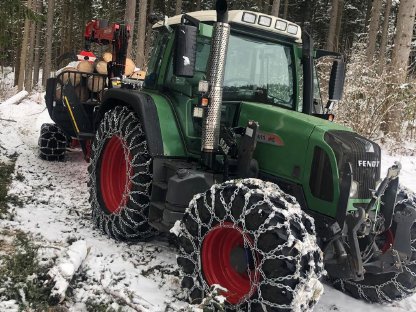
336,82
184,55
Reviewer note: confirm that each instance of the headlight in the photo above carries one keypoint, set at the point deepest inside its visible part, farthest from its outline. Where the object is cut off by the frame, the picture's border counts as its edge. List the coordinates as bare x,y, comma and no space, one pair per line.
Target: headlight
354,189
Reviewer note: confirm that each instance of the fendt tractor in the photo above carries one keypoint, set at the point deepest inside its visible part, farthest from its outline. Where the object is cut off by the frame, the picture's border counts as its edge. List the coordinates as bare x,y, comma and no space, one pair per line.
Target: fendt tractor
228,147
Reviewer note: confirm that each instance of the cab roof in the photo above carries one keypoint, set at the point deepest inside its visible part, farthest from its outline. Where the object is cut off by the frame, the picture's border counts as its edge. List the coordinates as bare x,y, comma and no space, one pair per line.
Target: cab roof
248,18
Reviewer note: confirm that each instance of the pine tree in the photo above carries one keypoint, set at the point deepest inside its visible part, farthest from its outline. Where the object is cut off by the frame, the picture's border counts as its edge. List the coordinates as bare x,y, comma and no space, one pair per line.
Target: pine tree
49,37
373,29
129,20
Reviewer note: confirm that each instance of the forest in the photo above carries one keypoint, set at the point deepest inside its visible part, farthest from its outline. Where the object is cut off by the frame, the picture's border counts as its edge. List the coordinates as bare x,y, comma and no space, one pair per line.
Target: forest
376,38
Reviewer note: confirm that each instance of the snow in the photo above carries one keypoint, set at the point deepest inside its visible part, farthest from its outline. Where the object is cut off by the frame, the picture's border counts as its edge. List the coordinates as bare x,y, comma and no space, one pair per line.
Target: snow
145,275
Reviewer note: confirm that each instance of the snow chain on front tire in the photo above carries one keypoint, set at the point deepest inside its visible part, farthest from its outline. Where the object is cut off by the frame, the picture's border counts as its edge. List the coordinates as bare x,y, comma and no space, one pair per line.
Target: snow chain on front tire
387,287
129,220
52,143
279,242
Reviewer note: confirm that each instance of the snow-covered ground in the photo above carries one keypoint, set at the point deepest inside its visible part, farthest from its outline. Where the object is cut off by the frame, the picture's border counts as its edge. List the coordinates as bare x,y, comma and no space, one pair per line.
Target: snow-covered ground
56,211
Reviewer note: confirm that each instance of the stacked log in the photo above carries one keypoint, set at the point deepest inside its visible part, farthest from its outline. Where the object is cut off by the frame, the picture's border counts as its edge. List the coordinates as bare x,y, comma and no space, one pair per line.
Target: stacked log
101,67
94,84
130,67
107,57
85,67
73,77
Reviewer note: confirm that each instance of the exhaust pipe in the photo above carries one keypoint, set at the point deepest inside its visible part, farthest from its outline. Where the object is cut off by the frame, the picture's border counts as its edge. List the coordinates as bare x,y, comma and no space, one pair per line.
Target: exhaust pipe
215,77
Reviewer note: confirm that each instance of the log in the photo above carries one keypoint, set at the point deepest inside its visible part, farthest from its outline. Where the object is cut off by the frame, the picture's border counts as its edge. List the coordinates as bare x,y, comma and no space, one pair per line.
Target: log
95,83
101,67
82,93
58,92
130,67
85,67
73,77
107,57
65,268
16,99
139,75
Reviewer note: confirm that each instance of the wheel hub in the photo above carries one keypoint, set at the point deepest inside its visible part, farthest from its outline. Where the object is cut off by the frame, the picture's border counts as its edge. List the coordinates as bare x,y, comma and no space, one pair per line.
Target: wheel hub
114,177
228,259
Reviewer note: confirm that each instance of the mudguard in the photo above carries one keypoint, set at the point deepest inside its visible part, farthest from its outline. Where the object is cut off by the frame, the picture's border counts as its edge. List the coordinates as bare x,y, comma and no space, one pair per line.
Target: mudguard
158,120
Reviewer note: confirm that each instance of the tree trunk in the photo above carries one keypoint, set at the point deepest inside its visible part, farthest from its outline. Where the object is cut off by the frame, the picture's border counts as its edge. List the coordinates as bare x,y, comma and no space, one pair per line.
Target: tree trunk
330,42
149,37
368,14
384,36
36,65
373,29
30,55
23,54
400,58
403,38
260,5
129,18
64,26
339,25
286,9
17,64
49,37
198,5
275,8
141,38
178,8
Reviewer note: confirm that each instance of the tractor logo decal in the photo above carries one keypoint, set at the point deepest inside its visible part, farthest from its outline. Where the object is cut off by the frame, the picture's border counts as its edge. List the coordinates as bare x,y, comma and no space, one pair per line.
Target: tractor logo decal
269,138
369,163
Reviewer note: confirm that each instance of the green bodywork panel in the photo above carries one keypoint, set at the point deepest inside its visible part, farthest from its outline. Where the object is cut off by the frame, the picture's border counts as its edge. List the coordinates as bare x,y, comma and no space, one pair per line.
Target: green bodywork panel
292,158
172,139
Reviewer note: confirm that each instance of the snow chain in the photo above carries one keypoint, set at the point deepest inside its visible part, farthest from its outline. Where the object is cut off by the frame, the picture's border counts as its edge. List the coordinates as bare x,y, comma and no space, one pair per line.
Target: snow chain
132,214
52,142
284,217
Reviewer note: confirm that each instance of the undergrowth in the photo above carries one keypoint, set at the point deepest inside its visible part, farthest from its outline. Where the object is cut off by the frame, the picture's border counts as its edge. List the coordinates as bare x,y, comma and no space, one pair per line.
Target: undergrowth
6,171
22,278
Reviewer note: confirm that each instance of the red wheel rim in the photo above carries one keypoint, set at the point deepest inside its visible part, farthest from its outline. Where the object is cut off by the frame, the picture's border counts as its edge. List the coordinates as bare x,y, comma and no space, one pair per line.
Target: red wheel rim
389,237
217,265
114,178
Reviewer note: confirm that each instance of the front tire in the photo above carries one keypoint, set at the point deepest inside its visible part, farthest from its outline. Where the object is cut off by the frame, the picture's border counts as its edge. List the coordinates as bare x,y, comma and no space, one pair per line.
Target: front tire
387,287
253,240
120,177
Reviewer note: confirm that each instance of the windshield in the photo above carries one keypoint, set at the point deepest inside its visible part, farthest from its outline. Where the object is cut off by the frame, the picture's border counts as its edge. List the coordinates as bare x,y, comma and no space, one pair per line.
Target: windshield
260,71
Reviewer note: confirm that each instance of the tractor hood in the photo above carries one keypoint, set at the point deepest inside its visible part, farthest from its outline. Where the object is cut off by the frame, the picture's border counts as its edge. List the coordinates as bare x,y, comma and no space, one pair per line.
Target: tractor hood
283,137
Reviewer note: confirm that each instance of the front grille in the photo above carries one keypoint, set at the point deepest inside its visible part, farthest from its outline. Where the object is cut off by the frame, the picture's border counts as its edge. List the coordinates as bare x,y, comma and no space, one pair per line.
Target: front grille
364,156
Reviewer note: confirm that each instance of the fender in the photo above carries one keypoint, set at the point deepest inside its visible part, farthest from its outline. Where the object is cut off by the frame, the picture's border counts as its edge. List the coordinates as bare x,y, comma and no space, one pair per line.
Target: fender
159,123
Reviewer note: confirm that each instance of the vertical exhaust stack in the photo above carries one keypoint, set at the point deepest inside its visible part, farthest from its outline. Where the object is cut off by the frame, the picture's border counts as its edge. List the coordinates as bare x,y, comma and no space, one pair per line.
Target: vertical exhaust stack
215,77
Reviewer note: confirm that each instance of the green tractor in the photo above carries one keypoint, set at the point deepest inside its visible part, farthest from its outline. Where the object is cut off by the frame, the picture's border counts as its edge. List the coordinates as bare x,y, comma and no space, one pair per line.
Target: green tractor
227,145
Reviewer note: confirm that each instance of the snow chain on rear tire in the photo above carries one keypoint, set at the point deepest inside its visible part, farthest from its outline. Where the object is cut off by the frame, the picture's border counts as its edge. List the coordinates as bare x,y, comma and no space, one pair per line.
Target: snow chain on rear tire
387,287
287,261
52,143
130,220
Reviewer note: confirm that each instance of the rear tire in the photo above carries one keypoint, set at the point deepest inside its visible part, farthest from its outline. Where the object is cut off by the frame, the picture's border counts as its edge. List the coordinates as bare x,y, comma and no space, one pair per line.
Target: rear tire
254,240
52,143
120,177
387,287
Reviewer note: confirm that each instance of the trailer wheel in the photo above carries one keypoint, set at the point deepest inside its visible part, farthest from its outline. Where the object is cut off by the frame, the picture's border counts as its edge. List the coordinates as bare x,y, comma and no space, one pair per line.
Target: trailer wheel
52,143
120,177
254,241
387,287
